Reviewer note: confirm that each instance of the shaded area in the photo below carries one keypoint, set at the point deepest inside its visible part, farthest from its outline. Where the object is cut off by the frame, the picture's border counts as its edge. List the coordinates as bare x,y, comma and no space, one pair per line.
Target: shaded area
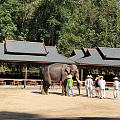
37,92
55,93
84,118
16,115
26,116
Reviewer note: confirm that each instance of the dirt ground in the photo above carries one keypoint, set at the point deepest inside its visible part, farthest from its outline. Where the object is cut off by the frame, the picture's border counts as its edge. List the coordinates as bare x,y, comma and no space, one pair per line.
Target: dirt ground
29,103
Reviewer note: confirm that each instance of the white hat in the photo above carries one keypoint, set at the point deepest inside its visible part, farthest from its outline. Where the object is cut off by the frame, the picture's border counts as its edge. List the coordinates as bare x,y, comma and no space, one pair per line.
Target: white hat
69,76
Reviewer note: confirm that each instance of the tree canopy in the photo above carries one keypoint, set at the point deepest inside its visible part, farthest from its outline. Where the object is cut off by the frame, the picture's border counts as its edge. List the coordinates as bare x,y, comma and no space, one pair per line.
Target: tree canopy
68,24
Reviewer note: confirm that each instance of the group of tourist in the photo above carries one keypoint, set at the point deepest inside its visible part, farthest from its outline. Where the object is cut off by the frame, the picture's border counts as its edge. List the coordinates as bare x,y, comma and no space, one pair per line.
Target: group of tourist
99,86
99,83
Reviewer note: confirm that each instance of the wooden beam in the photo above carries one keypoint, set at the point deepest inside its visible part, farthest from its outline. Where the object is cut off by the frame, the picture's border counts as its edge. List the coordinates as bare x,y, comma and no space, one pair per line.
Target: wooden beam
25,76
81,74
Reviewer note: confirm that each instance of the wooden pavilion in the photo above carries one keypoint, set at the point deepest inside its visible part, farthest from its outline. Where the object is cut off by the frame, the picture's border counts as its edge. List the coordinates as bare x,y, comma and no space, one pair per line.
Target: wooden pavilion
24,53
102,60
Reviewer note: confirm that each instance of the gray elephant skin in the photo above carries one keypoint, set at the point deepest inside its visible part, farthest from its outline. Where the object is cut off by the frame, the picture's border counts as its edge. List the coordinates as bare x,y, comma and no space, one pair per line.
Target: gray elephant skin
58,72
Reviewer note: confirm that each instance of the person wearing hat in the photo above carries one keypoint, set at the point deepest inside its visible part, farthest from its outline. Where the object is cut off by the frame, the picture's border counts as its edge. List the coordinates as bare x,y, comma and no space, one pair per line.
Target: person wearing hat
116,87
88,85
70,83
102,87
97,87
97,77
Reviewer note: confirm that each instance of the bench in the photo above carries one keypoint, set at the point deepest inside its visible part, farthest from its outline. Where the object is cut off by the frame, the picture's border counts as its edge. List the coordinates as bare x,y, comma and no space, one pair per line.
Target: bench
109,84
2,82
32,82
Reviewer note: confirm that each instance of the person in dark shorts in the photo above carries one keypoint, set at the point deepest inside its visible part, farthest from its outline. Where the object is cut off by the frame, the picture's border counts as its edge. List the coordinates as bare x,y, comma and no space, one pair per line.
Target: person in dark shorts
97,87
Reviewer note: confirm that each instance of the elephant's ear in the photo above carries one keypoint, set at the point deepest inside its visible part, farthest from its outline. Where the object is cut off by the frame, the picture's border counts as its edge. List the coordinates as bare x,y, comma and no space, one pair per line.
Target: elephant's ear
67,70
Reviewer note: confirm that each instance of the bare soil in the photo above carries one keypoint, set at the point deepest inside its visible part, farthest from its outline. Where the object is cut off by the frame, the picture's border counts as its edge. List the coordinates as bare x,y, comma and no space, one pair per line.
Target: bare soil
29,103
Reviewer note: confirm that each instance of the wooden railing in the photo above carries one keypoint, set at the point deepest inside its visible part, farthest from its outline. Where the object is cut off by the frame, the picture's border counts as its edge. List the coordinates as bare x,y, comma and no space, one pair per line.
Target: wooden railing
35,82
19,81
108,84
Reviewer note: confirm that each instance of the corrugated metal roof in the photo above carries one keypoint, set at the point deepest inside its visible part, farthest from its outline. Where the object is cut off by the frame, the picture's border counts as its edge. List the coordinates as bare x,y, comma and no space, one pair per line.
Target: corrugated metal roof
51,57
78,54
95,59
113,53
24,47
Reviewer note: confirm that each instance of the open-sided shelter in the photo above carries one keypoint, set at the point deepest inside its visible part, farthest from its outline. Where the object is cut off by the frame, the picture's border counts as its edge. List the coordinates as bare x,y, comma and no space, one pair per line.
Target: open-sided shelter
104,59
30,52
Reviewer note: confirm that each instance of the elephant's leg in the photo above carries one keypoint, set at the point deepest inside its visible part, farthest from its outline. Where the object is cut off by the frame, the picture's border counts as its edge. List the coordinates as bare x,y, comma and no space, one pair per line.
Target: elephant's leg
63,93
78,90
64,88
47,87
43,90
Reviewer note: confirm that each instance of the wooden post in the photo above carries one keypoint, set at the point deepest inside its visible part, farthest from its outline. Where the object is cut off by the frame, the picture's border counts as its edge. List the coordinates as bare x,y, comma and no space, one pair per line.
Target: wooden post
53,85
20,69
25,76
17,70
81,74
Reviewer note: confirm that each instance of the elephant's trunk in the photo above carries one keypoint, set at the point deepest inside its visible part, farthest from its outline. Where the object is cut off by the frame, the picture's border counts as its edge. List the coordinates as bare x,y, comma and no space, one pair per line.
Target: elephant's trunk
77,76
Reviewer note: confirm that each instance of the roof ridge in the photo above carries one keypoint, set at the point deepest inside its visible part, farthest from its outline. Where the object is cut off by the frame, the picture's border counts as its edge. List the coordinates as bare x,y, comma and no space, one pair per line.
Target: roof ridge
24,41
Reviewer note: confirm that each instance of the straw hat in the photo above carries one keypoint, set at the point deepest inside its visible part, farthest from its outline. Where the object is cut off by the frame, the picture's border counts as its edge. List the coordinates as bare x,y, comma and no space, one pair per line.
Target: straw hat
100,77
69,76
115,78
89,76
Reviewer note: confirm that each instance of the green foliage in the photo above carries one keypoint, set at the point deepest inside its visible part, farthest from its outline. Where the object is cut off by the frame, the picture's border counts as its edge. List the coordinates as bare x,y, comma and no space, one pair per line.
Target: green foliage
3,67
92,23
69,24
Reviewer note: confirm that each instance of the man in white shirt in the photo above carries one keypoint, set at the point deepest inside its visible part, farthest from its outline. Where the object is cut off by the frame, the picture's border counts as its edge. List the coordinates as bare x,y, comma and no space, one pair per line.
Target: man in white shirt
102,87
116,87
86,85
89,84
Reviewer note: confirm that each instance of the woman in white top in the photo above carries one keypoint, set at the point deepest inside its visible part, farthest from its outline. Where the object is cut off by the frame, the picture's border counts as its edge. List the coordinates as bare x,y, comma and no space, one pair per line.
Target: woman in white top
116,87
102,87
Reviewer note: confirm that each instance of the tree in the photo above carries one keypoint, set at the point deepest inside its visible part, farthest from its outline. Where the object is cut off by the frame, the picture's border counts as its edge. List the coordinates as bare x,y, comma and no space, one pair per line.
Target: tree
92,23
68,24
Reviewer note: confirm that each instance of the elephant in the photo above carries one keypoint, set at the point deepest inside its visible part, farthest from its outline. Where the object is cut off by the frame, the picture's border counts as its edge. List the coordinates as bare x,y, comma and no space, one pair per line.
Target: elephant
58,72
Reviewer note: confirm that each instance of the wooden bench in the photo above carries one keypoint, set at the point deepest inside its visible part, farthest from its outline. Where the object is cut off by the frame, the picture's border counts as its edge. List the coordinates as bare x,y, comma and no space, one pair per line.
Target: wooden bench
32,82
16,81
109,84
2,82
